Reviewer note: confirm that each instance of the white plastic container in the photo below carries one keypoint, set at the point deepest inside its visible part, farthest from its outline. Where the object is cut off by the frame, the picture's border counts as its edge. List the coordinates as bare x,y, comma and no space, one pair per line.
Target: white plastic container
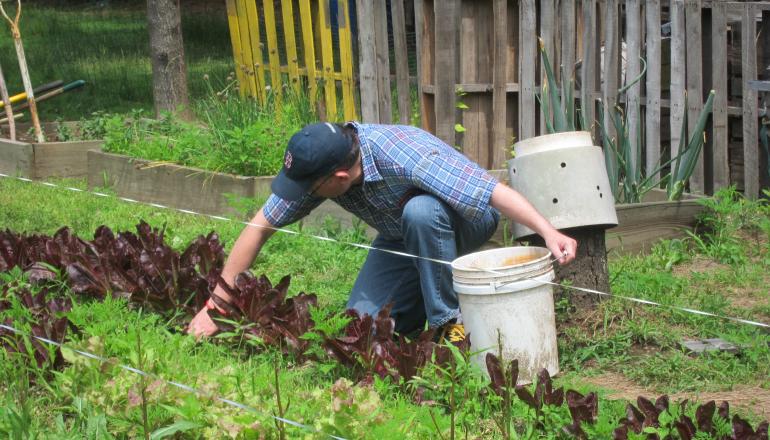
512,301
565,178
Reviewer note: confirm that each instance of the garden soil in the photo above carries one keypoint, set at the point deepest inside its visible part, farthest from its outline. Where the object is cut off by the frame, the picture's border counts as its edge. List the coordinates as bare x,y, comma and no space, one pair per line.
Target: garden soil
746,398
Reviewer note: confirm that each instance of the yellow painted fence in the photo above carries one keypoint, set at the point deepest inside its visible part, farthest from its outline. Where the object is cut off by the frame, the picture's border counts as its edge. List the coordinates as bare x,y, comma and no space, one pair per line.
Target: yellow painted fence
294,48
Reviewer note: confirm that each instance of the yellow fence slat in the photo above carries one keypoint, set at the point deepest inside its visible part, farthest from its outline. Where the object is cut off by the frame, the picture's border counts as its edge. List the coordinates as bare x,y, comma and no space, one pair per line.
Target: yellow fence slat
272,47
248,61
235,39
317,41
256,49
346,61
287,12
327,59
306,20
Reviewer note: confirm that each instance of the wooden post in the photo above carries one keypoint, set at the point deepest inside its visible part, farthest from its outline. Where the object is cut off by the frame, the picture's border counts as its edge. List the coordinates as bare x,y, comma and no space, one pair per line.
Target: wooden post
7,106
14,24
652,108
401,57
750,110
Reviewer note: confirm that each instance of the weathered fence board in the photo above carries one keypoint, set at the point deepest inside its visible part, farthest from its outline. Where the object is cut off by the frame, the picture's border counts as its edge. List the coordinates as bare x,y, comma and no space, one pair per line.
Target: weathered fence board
678,72
487,49
721,167
590,59
383,62
653,85
633,48
447,16
499,94
694,60
750,110
527,68
401,57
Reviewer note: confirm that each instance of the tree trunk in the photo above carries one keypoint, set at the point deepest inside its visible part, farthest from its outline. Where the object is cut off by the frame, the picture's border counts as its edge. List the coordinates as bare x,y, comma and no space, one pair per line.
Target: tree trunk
169,75
589,270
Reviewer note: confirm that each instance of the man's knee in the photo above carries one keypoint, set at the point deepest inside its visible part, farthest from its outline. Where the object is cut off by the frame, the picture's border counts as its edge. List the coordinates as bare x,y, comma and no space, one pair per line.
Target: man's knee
425,210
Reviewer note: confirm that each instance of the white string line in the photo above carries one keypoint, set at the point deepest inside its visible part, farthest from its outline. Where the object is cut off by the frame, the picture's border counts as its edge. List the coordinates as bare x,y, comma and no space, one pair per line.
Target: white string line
181,386
653,303
403,254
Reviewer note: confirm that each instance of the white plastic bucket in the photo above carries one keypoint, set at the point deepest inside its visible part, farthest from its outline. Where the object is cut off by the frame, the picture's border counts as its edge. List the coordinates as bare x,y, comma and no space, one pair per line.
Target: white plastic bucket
512,301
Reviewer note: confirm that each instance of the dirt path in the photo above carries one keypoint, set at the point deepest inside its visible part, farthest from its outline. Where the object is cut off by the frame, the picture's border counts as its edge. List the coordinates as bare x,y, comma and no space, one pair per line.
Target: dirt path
747,398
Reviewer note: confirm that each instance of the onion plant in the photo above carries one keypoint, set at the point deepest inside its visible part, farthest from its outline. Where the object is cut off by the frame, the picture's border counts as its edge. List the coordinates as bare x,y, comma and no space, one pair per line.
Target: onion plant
622,154
629,183
558,103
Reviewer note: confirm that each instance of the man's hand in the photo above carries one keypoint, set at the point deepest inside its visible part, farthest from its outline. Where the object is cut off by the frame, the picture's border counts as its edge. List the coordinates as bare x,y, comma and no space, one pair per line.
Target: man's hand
561,246
202,325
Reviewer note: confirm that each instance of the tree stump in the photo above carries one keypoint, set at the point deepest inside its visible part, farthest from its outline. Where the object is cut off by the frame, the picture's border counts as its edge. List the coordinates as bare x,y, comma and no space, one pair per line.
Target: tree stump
588,270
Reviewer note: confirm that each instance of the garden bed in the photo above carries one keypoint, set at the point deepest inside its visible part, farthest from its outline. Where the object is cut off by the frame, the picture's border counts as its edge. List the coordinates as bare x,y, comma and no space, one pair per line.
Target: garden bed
193,189
641,225
60,157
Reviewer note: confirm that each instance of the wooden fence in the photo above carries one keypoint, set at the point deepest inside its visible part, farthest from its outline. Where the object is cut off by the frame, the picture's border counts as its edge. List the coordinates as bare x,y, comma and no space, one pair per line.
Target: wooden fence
479,71
304,50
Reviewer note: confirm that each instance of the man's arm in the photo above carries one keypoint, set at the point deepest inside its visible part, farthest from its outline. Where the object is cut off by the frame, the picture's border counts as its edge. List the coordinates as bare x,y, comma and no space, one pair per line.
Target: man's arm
244,251
517,208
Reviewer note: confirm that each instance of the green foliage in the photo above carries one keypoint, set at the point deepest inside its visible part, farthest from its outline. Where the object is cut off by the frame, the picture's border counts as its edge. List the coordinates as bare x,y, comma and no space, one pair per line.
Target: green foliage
623,155
455,385
238,136
106,44
351,411
557,102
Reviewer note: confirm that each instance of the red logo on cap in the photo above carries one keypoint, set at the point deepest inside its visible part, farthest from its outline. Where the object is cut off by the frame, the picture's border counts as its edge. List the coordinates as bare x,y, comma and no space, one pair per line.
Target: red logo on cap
287,160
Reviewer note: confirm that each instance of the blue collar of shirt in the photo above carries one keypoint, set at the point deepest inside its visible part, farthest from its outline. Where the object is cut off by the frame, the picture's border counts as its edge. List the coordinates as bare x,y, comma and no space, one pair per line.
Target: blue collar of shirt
371,174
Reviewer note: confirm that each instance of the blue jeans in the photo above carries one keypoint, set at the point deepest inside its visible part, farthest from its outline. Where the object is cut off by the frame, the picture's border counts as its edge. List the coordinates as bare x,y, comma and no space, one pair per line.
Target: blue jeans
419,289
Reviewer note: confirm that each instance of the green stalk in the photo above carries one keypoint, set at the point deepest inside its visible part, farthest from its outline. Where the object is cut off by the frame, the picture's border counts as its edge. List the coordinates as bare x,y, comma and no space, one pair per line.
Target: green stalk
559,118
685,165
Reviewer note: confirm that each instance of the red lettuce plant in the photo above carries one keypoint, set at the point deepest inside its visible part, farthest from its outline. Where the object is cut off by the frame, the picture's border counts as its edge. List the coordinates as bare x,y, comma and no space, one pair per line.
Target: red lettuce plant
647,415
139,267
370,346
267,313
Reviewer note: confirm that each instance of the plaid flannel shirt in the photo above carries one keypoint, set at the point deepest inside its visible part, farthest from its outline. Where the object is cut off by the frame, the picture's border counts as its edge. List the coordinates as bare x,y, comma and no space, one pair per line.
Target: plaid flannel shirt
398,163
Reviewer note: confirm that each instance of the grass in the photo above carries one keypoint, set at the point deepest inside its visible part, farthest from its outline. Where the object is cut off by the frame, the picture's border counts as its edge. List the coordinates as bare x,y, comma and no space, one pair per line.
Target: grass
89,392
637,342
722,272
327,270
108,47
234,135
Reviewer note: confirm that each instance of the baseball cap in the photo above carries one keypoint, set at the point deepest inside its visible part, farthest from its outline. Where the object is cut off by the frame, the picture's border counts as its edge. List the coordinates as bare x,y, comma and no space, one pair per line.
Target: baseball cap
313,152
